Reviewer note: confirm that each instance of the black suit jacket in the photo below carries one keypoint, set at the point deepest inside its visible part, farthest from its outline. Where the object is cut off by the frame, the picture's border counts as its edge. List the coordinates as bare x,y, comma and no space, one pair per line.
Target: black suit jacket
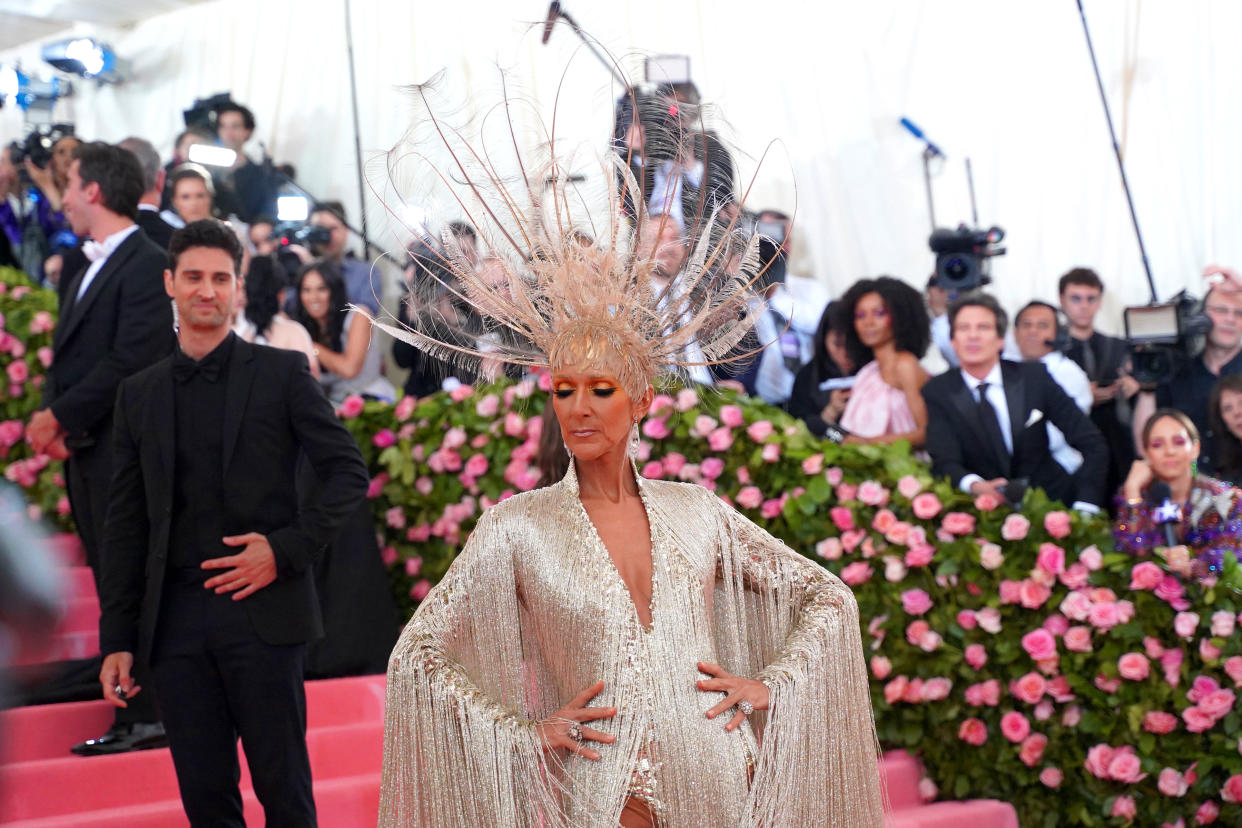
122,324
274,409
157,230
957,448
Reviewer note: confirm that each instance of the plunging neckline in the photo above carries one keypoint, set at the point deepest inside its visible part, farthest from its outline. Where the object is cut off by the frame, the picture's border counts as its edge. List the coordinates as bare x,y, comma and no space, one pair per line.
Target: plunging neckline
599,541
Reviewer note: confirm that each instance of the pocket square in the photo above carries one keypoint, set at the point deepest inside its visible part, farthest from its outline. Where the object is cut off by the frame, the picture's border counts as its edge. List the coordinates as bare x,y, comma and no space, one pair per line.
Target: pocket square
1035,416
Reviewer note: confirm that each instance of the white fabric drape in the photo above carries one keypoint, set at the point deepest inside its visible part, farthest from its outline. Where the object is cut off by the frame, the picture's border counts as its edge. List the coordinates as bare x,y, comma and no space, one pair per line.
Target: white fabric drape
1007,84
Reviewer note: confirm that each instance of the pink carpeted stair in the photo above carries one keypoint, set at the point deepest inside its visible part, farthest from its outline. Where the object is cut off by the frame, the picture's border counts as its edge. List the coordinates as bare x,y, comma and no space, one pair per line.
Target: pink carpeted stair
42,785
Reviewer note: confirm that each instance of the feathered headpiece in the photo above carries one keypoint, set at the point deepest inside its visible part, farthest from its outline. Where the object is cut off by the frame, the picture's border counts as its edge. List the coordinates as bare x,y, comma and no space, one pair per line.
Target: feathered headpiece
581,271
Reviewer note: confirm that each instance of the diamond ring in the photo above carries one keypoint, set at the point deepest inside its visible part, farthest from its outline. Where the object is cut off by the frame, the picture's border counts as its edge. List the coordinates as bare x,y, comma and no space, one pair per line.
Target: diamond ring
575,732
746,707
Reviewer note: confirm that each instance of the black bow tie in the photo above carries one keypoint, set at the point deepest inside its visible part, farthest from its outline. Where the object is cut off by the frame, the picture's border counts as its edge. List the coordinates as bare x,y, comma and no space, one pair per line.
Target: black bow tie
185,369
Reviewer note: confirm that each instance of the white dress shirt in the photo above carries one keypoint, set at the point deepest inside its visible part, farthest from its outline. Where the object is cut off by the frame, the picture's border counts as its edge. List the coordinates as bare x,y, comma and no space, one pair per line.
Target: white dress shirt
1073,381
107,247
801,301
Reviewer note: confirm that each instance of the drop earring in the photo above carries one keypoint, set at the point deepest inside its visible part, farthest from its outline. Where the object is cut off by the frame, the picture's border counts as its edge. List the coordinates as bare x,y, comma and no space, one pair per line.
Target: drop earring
634,440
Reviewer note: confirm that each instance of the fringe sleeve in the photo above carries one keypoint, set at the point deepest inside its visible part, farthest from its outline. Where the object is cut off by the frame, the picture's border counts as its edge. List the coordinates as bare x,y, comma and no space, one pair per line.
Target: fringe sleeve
458,746
799,634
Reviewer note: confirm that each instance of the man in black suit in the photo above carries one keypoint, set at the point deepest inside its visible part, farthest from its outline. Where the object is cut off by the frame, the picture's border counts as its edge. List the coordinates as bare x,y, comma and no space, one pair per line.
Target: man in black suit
114,320
149,219
987,421
208,554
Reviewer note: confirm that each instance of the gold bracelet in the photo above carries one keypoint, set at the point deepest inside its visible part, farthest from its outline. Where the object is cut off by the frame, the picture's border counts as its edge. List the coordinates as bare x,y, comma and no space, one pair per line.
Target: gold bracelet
1134,501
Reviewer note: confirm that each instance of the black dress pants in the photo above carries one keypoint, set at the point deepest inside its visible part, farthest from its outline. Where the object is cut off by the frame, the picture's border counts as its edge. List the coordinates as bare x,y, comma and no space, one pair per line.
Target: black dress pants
216,681
87,475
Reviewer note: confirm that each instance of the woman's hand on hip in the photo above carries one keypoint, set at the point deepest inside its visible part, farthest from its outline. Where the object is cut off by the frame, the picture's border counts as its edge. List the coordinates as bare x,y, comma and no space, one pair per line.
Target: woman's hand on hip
557,731
736,690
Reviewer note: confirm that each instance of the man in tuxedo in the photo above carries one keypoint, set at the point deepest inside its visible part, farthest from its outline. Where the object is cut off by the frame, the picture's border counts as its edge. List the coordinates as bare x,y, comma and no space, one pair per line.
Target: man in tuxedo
114,320
157,230
987,421
208,556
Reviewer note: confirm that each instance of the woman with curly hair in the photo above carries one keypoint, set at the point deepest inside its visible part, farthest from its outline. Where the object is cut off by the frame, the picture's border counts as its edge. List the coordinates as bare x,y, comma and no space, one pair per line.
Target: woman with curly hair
889,334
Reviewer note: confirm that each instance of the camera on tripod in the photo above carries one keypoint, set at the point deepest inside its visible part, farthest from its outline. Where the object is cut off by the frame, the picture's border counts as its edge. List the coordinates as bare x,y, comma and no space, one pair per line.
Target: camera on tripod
37,146
962,256
1162,337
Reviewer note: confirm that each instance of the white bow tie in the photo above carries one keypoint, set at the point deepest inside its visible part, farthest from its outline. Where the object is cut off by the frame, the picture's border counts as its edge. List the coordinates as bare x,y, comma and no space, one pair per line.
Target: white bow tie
93,250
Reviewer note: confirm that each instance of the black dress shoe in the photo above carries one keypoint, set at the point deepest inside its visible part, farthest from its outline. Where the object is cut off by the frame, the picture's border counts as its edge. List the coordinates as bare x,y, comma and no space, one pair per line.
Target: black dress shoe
122,738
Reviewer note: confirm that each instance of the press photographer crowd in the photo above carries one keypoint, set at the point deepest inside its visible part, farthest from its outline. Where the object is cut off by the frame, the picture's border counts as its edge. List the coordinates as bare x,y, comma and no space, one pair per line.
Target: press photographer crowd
1034,396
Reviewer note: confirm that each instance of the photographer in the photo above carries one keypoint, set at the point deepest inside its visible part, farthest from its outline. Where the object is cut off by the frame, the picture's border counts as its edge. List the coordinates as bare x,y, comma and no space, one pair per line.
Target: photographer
30,213
248,188
1190,389
364,285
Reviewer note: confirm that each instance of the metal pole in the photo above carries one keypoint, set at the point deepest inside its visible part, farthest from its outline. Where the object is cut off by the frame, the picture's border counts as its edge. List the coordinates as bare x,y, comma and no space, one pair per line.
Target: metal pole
353,94
1121,166
928,154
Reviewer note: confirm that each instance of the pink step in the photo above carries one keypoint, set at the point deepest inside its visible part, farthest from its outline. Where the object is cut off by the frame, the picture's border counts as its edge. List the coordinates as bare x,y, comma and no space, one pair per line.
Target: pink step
79,582
974,813
68,549
80,615
346,802
901,773
344,701
61,647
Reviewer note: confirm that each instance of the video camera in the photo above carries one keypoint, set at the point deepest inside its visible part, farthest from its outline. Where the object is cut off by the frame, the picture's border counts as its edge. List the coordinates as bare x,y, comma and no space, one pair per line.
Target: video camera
1163,337
37,146
962,256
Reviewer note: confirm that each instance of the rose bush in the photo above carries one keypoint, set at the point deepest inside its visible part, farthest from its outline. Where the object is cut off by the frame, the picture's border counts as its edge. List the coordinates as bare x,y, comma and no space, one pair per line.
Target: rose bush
27,320
1019,654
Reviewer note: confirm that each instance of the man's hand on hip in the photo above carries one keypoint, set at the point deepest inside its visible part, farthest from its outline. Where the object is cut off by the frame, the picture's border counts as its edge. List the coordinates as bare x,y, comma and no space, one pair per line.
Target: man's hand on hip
42,429
249,570
118,684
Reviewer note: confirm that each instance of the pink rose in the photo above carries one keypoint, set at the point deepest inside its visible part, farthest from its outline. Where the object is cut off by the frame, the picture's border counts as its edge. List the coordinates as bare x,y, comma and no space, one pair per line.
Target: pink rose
1010,591
927,789
926,506
760,430
915,601
1218,703
44,355
966,619
1152,647
829,549
958,523
1091,558
1104,616
653,470
454,438
1146,575
395,517
1056,624
351,407
376,487
1201,688
419,591
1171,664
720,439
976,656
1106,684
989,619
896,689
384,438
731,416
973,732
990,556
1044,710
658,403
477,465
1184,623
687,398
908,486
1014,726
489,406
750,497
1171,591
462,392
1125,767
1207,650
936,689
1233,667
1078,639
772,508
1207,813
1098,760
1015,527
1033,749
413,566
1159,722
771,452
673,462
1040,644
18,372
1033,595
1123,807
1051,558
881,667
920,555
883,520
916,630
857,573
1171,783
985,693
1051,777
1223,624
842,518
1232,790
655,428
872,493
834,476
1076,606
1059,690
813,464
894,569
1133,666
986,502
1057,524
852,538
711,467
1029,688
1196,720
1076,576
404,408
846,492
1072,716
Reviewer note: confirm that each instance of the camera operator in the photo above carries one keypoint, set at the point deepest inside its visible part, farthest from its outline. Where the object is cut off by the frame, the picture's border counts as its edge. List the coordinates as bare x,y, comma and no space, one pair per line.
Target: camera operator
1190,389
29,214
1035,329
364,285
248,187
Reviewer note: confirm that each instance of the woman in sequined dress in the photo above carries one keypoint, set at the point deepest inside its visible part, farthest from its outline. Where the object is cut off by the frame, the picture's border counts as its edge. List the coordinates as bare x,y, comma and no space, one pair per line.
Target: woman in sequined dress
1209,518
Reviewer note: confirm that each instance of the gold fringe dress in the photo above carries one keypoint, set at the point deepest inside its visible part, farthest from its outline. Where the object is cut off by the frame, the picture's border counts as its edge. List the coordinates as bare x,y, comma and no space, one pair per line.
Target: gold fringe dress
533,611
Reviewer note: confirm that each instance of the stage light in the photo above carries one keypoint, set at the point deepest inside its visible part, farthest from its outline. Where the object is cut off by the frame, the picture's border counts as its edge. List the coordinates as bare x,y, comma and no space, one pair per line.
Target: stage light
9,83
84,56
292,208
212,156
29,93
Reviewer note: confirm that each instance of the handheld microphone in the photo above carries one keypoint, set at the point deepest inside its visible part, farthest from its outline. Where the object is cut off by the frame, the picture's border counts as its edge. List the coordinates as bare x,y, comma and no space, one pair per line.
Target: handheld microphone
918,133
1168,514
554,11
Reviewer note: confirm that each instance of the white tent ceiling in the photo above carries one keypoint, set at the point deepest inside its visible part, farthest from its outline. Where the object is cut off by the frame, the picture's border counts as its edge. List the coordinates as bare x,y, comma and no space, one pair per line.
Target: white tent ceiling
25,20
